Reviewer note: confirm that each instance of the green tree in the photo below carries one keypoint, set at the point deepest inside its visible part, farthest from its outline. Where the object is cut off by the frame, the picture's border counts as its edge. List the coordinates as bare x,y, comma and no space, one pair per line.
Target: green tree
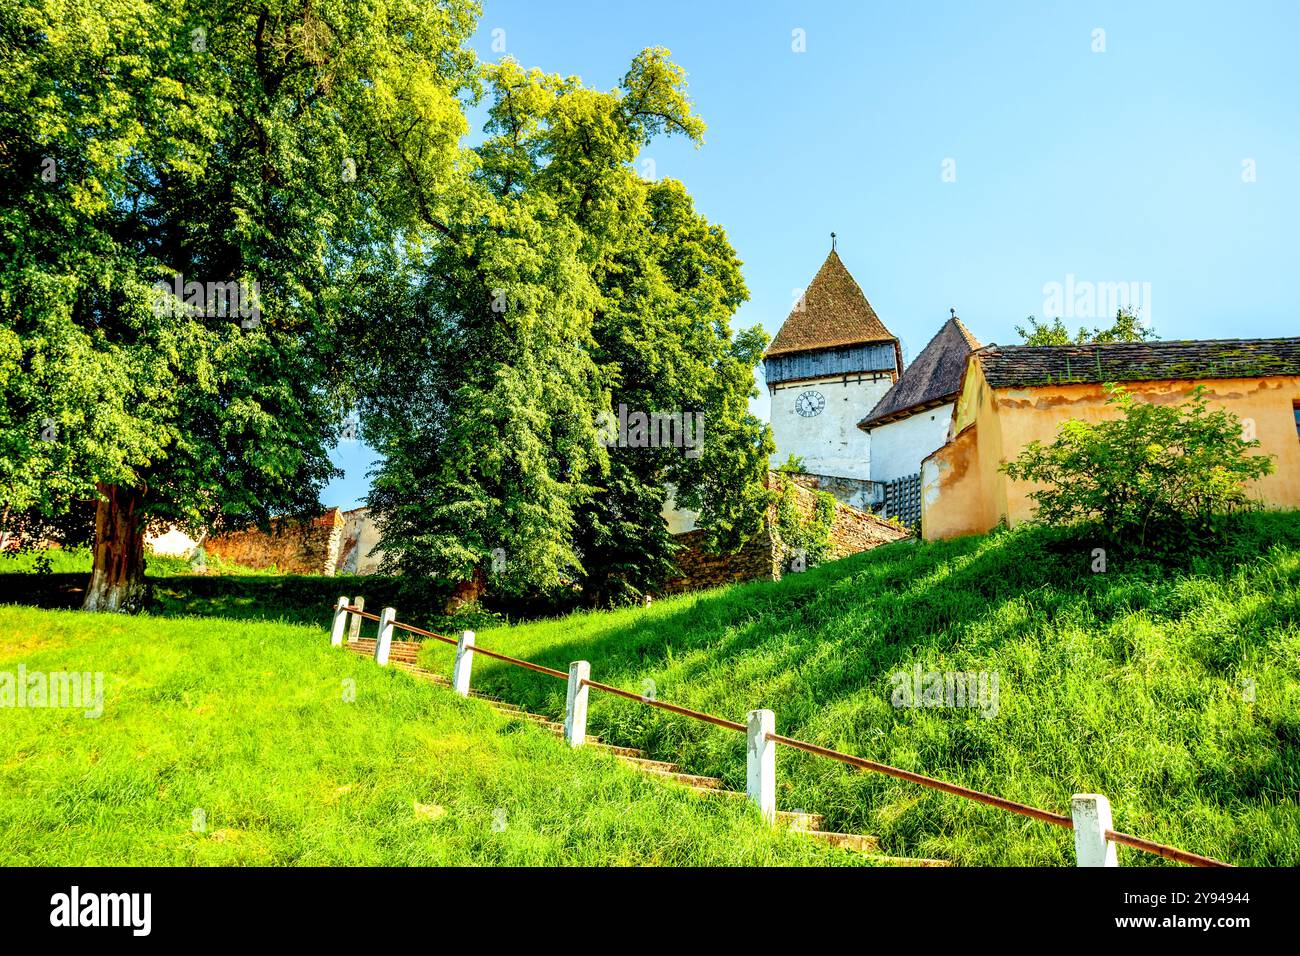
567,288
1151,476
239,152
1126,328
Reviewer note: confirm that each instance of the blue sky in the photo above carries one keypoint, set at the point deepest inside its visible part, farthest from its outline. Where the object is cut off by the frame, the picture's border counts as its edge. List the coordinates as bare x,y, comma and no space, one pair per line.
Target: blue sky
1126,165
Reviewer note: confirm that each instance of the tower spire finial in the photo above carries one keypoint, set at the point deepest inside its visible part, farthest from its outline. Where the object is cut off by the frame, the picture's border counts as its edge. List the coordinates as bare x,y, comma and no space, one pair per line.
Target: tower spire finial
832,242
953,312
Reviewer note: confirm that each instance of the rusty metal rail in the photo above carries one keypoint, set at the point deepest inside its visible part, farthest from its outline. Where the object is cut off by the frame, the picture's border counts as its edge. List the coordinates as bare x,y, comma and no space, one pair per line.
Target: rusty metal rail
1168,852
423,633
861,763
551,672
672,708
1024,810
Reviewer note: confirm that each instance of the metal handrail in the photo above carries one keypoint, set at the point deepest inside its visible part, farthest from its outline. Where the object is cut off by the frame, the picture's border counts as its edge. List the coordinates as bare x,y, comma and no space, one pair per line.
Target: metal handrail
1011,806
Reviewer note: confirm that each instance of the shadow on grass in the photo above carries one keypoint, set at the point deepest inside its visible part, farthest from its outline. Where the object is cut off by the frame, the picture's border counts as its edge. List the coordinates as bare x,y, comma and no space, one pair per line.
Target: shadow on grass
296,599
818,649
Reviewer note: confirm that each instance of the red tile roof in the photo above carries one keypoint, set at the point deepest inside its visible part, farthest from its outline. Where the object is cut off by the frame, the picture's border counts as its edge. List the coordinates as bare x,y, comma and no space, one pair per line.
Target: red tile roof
933,377
832,313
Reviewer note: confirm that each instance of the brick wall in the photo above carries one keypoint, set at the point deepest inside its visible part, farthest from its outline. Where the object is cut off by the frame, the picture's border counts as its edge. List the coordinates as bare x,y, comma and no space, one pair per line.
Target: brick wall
294,547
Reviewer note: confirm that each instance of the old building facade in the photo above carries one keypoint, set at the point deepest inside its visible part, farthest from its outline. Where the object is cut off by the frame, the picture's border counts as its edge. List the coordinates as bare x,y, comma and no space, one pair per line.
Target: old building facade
1012,395
843,402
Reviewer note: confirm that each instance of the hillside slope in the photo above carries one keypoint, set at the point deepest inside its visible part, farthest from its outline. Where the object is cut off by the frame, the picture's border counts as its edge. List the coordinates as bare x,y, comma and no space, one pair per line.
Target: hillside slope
231,742
1175,693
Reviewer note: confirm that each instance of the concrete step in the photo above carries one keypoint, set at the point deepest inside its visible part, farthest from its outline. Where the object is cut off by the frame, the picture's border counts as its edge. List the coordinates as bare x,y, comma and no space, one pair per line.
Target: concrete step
421,673
846,841
797,820
404,651
558,730
619,751
906,860
714,792
647,764
690,779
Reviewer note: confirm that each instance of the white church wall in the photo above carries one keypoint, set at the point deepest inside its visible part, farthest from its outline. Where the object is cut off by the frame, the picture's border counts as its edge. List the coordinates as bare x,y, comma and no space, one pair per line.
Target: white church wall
825,435
898,447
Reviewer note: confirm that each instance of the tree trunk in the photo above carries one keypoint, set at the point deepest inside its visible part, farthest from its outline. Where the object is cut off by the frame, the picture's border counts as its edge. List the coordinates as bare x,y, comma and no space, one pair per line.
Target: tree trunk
117,578
466,592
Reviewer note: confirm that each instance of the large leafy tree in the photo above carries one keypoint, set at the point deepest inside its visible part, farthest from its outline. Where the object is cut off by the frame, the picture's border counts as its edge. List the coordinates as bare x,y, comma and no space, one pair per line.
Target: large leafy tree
558,286
240,147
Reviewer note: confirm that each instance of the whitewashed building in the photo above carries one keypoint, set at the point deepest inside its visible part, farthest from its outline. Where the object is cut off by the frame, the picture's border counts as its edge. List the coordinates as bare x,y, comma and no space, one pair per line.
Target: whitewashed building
843,402
911,420
832,359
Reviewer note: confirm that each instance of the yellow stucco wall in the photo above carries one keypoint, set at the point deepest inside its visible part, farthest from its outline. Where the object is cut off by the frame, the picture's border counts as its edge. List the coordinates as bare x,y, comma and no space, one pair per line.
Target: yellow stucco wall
994,425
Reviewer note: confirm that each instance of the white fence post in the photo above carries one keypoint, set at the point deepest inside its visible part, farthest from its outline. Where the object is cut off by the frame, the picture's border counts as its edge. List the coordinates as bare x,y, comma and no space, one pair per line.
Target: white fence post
760,763
385,636
354,631
464,660
575,704
1091,813
340,621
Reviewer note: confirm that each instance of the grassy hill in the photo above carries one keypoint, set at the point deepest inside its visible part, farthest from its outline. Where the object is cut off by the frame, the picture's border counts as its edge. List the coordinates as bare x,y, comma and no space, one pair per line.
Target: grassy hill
246,722
1175,692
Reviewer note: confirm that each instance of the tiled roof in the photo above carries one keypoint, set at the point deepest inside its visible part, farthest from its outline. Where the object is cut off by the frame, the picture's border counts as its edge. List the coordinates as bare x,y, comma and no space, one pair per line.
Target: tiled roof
1011,366
834,313
933,377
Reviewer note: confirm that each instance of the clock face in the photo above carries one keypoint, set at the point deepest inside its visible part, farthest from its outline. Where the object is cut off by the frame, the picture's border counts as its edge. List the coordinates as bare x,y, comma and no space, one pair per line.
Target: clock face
810,403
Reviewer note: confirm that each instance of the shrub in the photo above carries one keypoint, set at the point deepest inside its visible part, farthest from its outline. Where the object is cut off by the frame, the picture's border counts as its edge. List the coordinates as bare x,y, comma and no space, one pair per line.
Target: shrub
797,533
1154,476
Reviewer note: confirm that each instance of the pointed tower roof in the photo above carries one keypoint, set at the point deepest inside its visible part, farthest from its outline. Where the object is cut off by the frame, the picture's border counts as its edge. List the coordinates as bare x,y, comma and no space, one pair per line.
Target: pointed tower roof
933,378
834,314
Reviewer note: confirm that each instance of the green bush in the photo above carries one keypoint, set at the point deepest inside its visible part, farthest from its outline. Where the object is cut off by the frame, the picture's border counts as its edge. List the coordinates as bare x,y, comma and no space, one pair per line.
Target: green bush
1153,477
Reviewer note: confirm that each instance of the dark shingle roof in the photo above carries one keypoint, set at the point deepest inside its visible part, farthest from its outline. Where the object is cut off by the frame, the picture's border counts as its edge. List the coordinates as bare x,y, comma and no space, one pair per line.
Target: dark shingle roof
1011,366
933,377
834,313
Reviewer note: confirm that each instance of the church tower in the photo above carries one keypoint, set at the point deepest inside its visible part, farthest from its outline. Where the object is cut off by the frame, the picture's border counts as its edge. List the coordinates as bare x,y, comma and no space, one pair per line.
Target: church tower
832,360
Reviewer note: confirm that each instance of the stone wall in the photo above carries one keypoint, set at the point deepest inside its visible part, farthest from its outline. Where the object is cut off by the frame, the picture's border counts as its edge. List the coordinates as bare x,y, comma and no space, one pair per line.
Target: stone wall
699,568
764,558
860,493
293,547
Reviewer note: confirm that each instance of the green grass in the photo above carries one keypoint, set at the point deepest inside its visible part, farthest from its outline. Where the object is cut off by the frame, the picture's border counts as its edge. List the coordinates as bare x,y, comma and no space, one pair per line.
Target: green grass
246,721
1132,683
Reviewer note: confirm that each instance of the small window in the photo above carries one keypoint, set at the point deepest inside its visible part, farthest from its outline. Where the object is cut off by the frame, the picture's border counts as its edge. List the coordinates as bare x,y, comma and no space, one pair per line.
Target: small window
1296,409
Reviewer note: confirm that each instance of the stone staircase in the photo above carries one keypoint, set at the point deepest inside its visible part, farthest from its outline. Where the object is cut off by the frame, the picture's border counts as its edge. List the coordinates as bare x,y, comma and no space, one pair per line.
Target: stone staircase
402,655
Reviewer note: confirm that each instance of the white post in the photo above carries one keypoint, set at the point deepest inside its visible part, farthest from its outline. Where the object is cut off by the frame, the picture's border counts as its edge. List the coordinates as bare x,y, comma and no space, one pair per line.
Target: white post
760,763
1091,813
340,621
575,704
464,659
385,637
354,631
